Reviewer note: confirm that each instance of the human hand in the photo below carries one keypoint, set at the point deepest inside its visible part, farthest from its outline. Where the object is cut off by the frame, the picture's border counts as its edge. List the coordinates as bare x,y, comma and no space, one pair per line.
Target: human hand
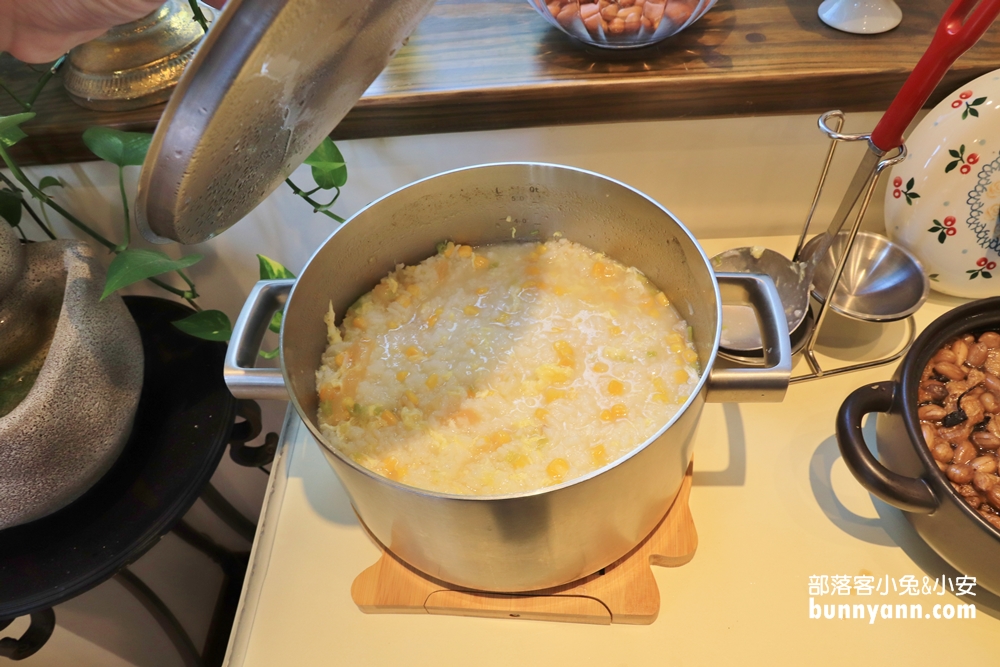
39,31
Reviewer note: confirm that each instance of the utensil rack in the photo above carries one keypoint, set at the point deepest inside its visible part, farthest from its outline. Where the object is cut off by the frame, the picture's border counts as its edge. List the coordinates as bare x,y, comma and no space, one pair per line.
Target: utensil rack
816,369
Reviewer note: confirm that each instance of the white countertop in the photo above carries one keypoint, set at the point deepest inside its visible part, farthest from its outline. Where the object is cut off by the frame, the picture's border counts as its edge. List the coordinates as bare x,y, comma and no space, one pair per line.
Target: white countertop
773,504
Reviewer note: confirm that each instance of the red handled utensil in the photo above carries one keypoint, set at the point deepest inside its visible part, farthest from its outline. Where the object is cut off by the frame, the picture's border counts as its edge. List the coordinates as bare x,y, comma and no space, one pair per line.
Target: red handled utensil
964,22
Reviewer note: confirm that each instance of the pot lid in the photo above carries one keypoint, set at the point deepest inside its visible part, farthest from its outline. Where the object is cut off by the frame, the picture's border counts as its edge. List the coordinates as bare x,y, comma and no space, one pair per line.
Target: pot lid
270,80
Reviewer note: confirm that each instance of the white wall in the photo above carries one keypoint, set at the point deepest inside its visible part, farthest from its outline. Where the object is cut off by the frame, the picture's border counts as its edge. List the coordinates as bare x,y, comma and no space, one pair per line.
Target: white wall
721,177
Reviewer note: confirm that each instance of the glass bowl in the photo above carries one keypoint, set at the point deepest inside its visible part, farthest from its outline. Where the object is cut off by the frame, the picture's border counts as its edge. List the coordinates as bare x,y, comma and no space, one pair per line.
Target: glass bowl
621,24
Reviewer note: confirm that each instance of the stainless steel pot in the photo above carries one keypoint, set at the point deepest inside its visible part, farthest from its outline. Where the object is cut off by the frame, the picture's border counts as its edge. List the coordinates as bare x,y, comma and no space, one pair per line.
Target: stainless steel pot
548,537
907,476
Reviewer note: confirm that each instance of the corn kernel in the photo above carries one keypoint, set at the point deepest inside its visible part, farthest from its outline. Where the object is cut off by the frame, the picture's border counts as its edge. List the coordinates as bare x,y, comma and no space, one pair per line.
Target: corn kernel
389,417
532,271
404,300
602,270
392,467
360,323
598,456
674,338
480,262
482,290
541,414
552,394
449,249
465,251
519,460
557,469
615,331
432,381
616,388
413,289
401,375
680,376
340,358
661,398
559,290
606,415
413,352
619,411
412,398
660,385
565,352
503,318
662,299
468,414
470,310
600,367
676,348
500,438
432,320
690,355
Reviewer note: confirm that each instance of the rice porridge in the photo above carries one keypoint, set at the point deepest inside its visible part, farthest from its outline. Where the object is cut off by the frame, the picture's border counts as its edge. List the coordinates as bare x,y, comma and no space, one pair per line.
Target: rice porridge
503,369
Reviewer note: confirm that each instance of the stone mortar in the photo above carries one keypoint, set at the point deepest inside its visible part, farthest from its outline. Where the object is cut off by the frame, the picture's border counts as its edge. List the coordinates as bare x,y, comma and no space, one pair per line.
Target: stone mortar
69,429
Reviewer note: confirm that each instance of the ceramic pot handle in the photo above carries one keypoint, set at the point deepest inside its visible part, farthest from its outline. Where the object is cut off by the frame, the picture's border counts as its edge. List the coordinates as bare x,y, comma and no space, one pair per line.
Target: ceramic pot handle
960,28
906,493
243,380
755,385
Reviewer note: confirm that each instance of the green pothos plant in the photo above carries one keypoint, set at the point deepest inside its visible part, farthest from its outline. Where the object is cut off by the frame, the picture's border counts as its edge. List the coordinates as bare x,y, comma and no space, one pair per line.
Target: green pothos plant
20,196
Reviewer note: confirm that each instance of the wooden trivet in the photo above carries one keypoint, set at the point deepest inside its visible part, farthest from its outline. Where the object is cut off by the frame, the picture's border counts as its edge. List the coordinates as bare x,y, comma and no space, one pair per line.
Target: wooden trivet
624,592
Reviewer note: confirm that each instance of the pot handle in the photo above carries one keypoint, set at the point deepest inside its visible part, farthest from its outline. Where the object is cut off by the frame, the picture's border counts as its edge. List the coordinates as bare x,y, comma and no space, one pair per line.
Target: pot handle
906,493
243,380
755,385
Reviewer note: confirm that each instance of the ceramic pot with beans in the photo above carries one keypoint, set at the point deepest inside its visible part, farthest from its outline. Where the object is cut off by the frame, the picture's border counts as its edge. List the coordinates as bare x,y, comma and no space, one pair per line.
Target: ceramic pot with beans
938,438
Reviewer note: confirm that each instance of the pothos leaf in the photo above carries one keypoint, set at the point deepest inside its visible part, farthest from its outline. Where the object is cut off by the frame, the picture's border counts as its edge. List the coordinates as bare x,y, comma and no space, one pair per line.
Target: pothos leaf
117,147
207,325
328,168
10,207
49,182
10,130
136,264
275,324
272,270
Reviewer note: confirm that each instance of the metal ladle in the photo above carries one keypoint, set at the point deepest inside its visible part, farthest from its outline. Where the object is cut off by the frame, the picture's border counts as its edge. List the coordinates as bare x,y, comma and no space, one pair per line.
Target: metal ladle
961,27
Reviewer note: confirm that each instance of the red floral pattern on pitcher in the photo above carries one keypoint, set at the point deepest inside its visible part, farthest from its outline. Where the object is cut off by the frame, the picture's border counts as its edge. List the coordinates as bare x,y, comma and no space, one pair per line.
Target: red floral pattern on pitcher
970,107
984,267
904,192
945,229
961,159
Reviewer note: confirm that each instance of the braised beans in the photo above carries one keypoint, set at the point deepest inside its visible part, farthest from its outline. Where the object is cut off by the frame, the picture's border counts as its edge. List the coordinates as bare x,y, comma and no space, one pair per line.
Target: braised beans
959,412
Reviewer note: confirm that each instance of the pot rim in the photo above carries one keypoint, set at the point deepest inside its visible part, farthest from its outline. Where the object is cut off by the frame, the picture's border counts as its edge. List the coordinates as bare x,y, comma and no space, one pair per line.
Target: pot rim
947,326
694,396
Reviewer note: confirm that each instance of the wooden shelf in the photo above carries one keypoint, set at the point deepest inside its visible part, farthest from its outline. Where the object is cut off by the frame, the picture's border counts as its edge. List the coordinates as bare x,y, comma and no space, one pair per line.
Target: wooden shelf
478,65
